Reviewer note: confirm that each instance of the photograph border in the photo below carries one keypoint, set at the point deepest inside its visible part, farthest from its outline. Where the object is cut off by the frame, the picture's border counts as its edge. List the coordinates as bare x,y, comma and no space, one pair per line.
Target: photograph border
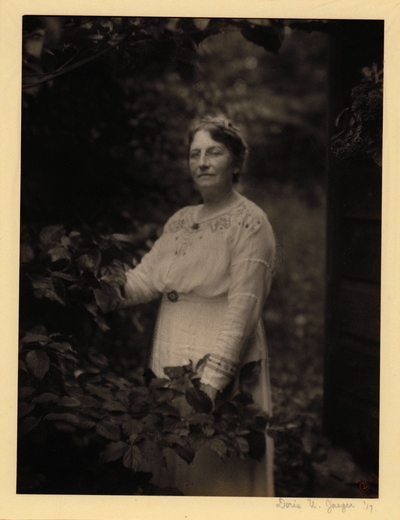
14,506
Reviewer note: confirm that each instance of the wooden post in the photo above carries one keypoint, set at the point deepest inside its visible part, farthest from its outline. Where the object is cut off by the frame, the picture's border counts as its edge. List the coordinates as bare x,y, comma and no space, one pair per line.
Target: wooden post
351,379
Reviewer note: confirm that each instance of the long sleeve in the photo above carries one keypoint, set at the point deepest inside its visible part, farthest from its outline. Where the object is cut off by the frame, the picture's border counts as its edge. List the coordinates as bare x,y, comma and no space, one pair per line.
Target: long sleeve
250,280
140,286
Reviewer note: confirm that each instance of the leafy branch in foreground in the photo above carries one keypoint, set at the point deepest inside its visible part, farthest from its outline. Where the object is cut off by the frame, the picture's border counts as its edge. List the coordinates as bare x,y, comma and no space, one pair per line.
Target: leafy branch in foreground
76,415
359,126
54,46
132,423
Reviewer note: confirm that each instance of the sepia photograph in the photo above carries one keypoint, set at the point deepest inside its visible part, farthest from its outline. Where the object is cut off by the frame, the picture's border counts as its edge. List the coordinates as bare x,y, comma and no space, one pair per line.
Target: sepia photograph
198,261
200,256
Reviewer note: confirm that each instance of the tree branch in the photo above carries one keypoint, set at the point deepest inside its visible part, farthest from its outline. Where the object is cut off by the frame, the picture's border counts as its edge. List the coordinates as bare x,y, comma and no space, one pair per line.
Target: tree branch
63,70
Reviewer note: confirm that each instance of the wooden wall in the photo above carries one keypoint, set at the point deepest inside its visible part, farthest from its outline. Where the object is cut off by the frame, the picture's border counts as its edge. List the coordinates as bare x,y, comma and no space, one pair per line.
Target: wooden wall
351,394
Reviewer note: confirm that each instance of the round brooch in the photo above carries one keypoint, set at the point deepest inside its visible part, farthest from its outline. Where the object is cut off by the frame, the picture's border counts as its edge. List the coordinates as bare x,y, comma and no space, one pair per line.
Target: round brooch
173,296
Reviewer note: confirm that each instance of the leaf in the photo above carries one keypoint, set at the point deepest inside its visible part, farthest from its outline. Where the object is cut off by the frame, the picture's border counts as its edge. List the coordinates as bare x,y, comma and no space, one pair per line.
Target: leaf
62,347
98,359
201,23
257,444
66,241
132,458
65,427
166,409
132,426
44,288
89,402
101,323
151,452
114,406
108,297
114,451
229,412
89,261
117,381
122,397
177,372
59,253
138,397
121,238
65,276
200,418
202,362
250,373
208,431
93,413
199,400
241,445
44,398
38,363
27,253
176,426
86,423
35,338
267,37
108,430
255,418
50,235
27,425
185,453
218,446
134,438
158,382
25,391
24,409
172,439
104,393
70,402
63,417
165,395
197,441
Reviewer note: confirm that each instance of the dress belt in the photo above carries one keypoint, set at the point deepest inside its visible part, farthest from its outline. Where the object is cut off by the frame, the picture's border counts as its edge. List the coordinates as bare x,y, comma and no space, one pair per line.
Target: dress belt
174,296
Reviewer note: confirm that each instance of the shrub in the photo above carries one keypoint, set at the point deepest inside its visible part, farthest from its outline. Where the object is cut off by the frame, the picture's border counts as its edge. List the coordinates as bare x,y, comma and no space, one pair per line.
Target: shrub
82,427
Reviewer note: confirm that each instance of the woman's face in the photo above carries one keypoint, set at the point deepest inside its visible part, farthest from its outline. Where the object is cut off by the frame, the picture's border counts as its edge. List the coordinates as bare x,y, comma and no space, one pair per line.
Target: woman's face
211,163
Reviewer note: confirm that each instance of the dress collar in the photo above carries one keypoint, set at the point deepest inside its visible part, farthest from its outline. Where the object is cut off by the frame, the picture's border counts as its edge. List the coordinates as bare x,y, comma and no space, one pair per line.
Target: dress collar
238,199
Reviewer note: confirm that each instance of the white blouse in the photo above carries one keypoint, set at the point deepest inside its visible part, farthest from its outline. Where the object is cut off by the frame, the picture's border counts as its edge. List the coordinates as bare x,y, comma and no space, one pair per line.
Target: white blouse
230,254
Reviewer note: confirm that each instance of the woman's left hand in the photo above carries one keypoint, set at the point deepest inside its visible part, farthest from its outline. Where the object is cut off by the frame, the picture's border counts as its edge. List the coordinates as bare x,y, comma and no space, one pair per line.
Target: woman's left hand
210,391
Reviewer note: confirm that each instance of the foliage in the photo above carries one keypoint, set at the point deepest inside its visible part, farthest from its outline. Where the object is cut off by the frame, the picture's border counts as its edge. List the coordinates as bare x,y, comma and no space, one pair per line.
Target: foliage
104,137
359,127
75,413
71,42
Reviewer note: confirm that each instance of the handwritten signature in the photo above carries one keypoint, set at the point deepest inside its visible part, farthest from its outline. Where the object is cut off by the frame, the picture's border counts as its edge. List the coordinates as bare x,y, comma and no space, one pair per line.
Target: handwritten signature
330,505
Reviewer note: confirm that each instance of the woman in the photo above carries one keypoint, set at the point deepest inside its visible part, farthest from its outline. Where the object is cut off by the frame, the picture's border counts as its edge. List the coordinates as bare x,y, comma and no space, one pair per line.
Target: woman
213,267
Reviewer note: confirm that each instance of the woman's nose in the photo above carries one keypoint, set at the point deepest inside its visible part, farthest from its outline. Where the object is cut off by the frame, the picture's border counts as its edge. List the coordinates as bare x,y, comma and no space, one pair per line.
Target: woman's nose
203,162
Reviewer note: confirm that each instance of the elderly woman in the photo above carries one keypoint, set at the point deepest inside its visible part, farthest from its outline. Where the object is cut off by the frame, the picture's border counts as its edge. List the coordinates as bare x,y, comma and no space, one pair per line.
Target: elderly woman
213,268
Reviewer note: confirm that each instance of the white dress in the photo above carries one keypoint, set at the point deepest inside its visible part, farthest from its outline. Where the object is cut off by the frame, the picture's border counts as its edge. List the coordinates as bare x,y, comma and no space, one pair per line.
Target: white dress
214,276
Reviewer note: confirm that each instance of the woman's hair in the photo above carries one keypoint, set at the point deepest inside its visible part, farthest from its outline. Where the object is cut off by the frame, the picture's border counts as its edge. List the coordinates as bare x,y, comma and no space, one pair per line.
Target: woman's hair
223,131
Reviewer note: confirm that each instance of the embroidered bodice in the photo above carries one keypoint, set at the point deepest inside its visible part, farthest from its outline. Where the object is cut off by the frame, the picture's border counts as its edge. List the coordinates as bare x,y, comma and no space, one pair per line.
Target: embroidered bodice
231,253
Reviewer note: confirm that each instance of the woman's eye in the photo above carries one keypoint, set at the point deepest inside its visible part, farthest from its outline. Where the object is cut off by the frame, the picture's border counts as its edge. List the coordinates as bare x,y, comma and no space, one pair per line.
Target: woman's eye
194,155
